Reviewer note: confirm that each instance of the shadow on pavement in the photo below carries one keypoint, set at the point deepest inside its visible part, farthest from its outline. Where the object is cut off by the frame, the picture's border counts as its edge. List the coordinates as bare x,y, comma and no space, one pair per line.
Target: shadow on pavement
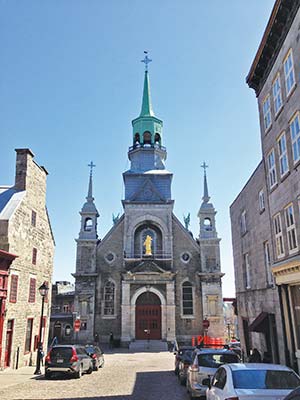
148,386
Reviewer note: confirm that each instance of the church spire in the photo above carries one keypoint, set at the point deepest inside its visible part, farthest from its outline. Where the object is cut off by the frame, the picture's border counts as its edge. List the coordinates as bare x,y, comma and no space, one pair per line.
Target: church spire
90,197
205,197
146,110
89,212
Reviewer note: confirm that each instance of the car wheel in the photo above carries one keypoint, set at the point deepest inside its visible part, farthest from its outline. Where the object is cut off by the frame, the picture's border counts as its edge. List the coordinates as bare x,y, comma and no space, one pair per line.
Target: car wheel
90,370
79,372
48,375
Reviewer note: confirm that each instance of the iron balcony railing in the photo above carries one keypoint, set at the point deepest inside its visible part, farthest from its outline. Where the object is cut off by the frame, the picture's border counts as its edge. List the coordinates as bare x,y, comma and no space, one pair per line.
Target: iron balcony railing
147,146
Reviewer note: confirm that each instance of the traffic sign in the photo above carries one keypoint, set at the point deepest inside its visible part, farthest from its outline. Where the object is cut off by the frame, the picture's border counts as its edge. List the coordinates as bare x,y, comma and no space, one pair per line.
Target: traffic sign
77,325
205,323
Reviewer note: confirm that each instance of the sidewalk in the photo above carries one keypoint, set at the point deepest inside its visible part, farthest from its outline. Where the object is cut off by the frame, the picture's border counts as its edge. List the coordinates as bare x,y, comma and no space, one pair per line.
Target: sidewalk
10,377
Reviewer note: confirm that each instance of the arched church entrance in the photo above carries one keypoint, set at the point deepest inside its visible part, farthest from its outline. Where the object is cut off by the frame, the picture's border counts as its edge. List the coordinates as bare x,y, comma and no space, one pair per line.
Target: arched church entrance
148,317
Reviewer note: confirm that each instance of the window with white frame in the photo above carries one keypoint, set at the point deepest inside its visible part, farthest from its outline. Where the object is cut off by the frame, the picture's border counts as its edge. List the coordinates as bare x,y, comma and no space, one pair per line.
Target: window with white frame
247,271
291,228
187,298
261,200
243,223
278,236
295,137
268,263
289,73
109,298
277,97
267,112
283,157
272,169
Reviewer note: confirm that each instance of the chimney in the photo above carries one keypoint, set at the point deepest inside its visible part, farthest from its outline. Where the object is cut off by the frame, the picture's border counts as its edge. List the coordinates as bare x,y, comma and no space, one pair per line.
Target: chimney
23,158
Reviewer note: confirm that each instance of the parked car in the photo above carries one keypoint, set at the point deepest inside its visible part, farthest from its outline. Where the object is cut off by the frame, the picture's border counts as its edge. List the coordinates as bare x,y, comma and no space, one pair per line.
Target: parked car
97,356
205,363
179,354
294,395
184,363
252,381
69,360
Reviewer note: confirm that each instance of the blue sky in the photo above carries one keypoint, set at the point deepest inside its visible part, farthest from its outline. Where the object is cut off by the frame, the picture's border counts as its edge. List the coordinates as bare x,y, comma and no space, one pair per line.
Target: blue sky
71,82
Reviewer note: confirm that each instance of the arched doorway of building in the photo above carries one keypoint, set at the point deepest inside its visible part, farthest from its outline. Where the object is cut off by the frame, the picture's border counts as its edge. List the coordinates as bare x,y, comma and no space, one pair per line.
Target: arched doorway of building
148,317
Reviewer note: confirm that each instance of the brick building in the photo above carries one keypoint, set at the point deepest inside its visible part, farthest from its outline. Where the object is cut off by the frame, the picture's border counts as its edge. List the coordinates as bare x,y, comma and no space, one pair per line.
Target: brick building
148,277
265,216
25,231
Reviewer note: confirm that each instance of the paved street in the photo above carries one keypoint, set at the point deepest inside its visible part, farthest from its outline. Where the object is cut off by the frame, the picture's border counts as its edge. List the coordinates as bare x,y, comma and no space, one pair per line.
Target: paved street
136,376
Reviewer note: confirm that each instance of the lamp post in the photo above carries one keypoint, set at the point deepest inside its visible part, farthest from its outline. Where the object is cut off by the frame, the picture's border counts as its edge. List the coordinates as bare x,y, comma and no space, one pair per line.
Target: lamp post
43,289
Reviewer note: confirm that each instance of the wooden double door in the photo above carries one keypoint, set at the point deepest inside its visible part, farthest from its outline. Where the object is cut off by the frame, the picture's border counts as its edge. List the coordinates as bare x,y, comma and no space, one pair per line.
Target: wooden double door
148,317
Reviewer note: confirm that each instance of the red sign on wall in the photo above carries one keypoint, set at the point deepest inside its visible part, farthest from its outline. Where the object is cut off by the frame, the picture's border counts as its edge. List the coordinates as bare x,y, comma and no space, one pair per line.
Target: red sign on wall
77,325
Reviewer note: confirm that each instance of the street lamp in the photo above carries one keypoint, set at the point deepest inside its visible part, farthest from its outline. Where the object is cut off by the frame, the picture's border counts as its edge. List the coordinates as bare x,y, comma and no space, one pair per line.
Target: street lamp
43,289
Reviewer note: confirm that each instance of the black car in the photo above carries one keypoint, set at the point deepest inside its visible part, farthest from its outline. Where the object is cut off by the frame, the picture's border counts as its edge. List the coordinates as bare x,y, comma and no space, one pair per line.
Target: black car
69,360
97,356
179,354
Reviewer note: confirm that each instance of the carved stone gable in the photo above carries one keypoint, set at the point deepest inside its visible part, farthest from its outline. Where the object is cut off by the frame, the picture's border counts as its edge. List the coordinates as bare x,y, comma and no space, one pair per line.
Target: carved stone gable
147,266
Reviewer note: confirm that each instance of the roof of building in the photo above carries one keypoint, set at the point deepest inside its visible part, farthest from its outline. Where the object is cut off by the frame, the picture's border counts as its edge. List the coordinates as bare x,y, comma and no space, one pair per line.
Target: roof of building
279,23
10,199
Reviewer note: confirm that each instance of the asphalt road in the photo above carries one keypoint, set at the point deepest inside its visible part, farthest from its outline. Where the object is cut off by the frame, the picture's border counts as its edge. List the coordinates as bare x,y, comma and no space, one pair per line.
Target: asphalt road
128,376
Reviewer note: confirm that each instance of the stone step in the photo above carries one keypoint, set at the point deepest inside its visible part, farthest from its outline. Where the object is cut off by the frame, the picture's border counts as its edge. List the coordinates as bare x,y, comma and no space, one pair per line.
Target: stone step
151,345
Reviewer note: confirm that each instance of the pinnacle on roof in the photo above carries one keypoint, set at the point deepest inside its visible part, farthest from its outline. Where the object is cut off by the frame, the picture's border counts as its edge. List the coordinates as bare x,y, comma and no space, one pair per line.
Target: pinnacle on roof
146,110
205,197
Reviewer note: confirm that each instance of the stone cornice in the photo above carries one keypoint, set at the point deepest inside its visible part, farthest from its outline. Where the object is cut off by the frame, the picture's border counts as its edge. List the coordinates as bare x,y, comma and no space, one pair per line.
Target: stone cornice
280,21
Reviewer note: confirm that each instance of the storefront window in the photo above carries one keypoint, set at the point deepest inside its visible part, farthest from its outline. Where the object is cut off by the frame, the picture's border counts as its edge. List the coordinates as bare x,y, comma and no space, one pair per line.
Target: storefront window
295,295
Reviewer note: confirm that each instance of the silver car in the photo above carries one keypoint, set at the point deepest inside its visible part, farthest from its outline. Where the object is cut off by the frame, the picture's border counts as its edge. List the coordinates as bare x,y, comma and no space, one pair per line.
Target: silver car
252,381
204,365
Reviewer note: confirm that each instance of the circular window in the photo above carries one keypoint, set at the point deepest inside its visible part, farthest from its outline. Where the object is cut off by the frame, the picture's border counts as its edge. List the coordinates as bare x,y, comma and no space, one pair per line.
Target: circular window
110,257
185,257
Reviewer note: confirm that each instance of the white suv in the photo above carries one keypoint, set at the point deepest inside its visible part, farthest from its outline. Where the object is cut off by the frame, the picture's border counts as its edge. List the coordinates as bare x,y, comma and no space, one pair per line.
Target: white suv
204,365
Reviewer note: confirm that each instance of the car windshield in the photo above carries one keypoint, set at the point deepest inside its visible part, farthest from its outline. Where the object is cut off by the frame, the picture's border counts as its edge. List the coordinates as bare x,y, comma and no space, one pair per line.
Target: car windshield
90,349
264,379
212,360
64,352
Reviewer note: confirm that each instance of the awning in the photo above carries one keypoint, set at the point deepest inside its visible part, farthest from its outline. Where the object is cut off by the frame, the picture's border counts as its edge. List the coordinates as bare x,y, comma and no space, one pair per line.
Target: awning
260,324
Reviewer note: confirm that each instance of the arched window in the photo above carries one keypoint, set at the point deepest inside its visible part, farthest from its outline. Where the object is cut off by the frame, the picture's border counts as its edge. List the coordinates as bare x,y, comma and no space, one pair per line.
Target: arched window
187,299
88,224
109,298
147,137
137,138
68,330
140,235
157,138
207,224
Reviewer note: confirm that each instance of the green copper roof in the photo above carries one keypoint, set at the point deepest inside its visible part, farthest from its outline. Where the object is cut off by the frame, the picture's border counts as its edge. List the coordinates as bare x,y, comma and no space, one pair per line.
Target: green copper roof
146,110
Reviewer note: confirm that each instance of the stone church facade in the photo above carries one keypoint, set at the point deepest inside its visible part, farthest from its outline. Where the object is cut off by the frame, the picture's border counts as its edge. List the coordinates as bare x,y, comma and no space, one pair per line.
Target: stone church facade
163,293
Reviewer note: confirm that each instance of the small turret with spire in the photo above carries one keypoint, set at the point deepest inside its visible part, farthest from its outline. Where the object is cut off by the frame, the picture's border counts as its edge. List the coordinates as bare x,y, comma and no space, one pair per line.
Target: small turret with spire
207,213
89,212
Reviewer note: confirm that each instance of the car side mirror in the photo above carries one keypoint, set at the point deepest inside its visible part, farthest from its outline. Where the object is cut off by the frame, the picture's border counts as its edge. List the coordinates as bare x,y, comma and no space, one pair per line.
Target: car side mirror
206,382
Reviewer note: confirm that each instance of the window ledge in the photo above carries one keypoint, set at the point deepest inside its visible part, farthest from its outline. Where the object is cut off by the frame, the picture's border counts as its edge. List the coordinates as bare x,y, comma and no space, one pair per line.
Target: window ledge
284,176
273,187
296,163
187,316
289,94
109,316
262,210
267,130
278,112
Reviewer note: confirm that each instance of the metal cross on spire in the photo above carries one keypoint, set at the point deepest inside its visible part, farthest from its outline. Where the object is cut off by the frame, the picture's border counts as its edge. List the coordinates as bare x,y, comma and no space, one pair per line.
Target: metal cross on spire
91,165
204,166
146,60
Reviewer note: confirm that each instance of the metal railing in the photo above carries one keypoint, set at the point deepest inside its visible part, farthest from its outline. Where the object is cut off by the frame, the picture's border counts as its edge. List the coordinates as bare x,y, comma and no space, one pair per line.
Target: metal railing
157,255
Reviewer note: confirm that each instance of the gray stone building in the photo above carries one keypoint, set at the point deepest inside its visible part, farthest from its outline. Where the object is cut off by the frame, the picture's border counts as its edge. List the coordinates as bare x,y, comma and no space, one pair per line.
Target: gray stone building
265,216
148,278
62,312
25,232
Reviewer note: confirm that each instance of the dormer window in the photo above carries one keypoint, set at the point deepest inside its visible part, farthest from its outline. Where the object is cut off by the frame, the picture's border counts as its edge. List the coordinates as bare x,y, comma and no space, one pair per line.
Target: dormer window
88,224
